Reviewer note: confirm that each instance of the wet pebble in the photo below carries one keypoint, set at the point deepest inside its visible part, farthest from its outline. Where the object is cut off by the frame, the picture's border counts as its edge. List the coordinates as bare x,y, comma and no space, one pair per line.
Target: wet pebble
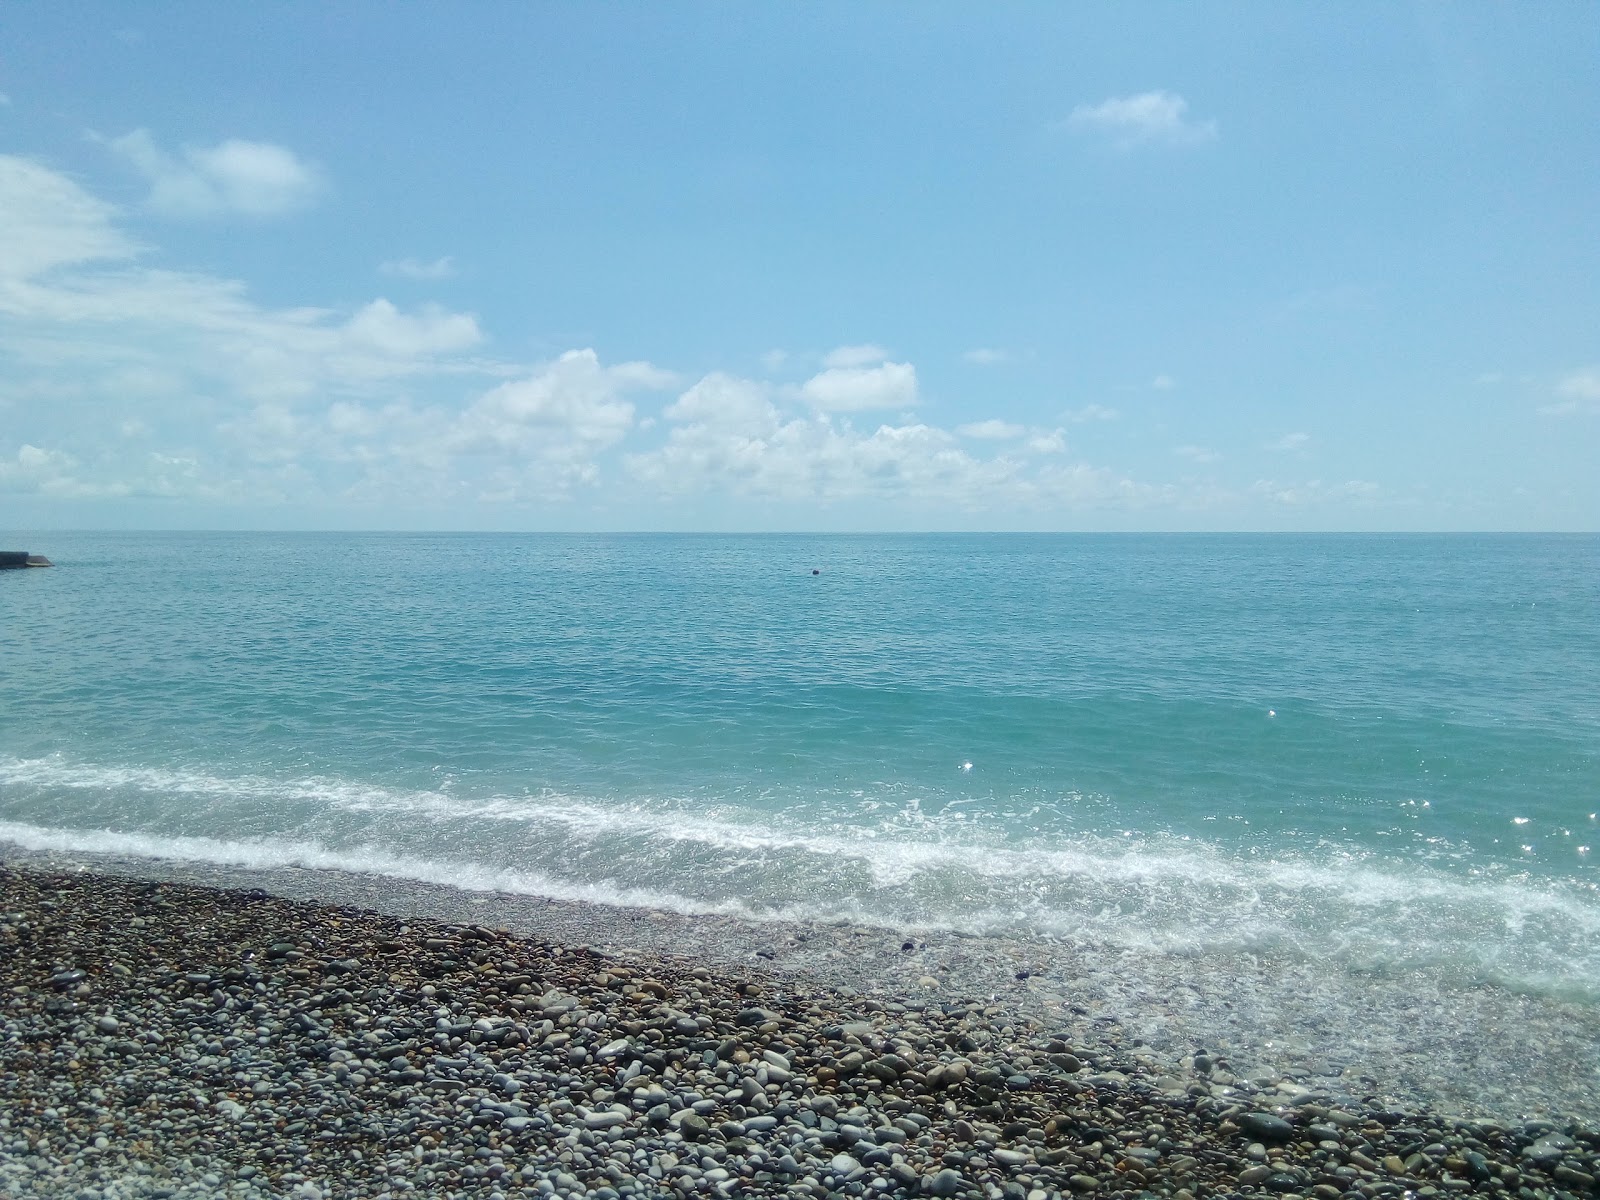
233,1043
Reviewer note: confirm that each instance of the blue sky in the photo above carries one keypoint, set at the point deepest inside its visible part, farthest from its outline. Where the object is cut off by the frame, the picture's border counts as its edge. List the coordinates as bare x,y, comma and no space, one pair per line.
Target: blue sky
881,266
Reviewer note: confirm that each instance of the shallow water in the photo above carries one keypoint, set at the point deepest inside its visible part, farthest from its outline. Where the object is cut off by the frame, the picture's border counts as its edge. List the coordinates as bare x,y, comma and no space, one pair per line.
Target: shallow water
1354,757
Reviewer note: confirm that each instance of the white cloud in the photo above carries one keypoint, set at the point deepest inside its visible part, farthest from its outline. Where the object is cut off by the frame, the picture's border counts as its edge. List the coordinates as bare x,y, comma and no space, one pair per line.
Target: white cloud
101,357
729,403
815,458
731,436
1290,442
643,375
855,356
255,179
992,430
49,221
167,383
1149,117
534,438
855,388
1198,454
985,357
1163,383
1052,442
412,268
72,302
120,380
552,423
773,360
33,469
1579,391
57,475
1090,412
383,327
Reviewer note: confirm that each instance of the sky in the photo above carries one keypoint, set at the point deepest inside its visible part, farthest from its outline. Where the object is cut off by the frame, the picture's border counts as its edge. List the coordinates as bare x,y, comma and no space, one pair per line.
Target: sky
827,266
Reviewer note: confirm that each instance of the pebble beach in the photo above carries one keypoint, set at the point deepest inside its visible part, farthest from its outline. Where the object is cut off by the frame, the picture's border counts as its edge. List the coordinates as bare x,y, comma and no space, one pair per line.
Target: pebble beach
167,1038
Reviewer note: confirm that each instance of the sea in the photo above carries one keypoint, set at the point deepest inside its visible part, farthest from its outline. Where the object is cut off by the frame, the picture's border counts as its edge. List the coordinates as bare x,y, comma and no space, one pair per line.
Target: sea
1366,757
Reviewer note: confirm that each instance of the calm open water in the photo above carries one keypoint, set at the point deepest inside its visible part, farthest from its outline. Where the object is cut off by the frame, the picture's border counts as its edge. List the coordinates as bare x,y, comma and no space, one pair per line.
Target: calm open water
1379,752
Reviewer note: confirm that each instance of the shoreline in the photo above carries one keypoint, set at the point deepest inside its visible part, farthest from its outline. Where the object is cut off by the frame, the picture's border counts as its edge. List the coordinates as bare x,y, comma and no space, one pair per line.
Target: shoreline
166,1037
1404,1040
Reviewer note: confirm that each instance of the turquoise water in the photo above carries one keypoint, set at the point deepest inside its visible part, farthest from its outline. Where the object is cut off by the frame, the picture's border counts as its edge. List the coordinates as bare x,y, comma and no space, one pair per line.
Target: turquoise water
1377,752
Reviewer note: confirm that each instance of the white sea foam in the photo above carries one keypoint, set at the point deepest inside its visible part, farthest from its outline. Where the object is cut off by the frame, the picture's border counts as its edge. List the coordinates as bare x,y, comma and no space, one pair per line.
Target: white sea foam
909,869
57,772
894,852
269,854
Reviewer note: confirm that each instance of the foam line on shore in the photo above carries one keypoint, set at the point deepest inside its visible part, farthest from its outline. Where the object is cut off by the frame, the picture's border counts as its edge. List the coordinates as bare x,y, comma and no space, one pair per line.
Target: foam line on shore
1485,1049
233,1035
1154,894
273,854
893,852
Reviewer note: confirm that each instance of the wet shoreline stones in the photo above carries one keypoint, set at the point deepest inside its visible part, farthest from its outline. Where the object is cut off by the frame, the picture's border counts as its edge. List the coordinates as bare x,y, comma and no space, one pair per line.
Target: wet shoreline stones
1415,1039
166,1039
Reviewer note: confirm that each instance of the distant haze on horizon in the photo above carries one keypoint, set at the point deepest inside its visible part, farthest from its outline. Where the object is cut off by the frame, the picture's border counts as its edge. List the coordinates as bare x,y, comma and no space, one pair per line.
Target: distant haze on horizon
821,268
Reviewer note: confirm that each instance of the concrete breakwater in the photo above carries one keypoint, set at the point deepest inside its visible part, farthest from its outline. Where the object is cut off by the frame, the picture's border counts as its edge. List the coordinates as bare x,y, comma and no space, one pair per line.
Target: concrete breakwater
16,559
163,1039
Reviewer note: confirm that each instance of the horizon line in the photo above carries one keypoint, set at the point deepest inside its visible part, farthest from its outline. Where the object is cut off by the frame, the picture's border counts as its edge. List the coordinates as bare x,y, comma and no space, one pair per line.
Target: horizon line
836,532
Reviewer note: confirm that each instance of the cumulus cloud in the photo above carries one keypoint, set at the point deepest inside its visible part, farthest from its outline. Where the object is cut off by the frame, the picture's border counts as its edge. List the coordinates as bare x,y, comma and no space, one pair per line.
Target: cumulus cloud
386,329
34,469
253,179
99,350
1158,117
57,475
1290,442
732,435
532,438
725,401
286,403
574,394
535,437
992,430
844,388
121,380
413,268
819,458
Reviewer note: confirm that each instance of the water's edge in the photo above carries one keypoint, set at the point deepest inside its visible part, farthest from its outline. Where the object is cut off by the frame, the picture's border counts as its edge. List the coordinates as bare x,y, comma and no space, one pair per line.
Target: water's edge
1402,1041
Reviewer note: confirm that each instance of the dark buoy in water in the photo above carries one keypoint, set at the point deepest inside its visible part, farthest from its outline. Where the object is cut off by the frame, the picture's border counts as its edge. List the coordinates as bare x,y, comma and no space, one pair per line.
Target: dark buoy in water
816,570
